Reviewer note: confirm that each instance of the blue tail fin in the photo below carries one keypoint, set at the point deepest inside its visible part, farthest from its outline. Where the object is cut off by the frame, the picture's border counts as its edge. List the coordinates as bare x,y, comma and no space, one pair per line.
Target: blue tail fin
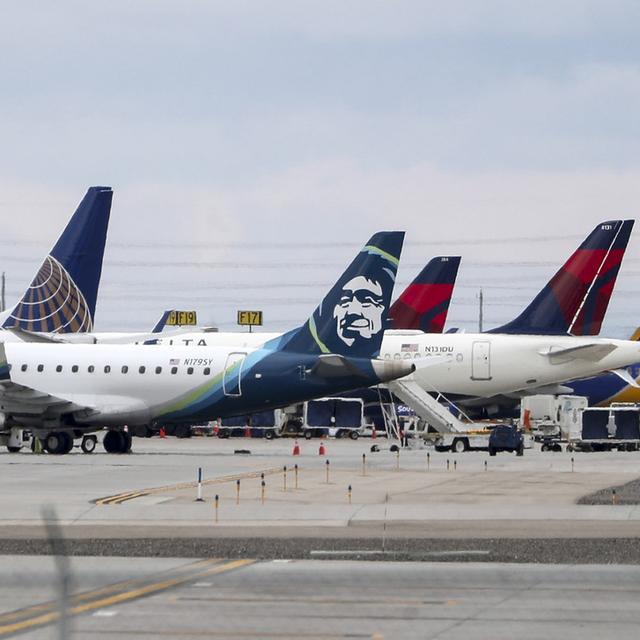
576,298
352,317
62,296
424,304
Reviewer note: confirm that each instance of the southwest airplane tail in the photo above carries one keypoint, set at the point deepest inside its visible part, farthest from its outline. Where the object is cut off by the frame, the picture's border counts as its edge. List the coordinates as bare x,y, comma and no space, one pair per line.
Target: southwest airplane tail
575,300
350,320
62,295
424,304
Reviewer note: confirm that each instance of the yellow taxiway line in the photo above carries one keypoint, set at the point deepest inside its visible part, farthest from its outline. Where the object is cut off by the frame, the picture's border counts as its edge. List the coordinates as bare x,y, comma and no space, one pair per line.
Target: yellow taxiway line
119,498
46,613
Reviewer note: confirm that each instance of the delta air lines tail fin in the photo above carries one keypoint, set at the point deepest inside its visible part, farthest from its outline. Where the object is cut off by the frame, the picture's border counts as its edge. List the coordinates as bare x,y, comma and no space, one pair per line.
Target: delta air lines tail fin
424,304
352,317
575,300
62,295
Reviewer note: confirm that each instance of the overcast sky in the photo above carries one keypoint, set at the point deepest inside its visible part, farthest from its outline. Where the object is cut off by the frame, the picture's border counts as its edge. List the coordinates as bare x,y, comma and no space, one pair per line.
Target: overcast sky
254,146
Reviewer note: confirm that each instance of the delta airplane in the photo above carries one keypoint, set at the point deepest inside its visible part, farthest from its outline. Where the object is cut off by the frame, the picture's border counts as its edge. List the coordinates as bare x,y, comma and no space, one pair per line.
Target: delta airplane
61,298
62,391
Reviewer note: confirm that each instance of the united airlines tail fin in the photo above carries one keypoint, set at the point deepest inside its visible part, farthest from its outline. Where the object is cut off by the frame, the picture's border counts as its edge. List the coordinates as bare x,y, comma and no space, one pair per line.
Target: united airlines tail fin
575,300
352,317
62,295
424,304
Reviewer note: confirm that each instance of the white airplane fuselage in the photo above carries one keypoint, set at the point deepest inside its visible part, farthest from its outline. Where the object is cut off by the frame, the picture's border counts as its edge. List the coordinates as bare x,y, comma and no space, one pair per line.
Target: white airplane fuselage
478,365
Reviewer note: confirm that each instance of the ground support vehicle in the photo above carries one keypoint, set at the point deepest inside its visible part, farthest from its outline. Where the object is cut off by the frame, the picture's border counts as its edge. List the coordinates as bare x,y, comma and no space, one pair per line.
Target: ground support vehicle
441,422
506,437
550,419
606,428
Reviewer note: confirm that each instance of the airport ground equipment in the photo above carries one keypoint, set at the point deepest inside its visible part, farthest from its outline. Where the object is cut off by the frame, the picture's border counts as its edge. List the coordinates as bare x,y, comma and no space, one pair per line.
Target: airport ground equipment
550,419
442,422
606,428
506,437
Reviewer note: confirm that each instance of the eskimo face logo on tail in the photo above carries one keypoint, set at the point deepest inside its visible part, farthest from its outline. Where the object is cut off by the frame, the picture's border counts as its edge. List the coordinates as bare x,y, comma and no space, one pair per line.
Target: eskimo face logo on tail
359,313
53,303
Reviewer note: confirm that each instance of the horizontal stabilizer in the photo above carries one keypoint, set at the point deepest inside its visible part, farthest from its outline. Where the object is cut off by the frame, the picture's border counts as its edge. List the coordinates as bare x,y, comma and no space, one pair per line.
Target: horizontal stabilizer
627,377
593,352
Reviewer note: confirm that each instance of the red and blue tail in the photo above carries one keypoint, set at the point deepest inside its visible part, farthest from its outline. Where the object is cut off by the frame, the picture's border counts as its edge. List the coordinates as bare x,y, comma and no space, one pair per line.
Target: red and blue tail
62,295
424,304
575,300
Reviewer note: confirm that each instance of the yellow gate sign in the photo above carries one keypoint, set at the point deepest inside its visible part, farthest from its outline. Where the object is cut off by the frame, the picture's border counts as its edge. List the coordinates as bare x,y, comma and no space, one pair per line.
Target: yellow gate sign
182,318
251,318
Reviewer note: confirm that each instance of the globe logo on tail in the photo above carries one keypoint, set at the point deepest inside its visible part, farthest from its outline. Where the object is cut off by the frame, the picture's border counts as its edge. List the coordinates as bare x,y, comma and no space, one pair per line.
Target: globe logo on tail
53,303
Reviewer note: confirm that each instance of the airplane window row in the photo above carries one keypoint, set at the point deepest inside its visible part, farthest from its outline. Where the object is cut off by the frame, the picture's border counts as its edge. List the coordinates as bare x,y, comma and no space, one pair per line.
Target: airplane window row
405,356
124,369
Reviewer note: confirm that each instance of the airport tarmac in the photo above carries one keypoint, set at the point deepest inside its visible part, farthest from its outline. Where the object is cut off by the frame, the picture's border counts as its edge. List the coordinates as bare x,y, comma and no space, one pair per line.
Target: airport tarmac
123,503
312,600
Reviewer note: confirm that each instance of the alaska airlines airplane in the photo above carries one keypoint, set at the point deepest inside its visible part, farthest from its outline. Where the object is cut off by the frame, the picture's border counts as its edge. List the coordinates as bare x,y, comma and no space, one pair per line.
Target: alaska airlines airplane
62,296
62,391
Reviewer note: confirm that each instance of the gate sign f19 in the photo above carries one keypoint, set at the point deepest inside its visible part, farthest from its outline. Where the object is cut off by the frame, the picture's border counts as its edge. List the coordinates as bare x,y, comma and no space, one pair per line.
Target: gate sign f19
251,318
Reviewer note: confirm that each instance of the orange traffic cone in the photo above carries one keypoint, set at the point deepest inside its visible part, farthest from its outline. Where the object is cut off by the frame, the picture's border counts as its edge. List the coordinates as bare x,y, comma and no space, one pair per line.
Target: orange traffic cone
163,433
374,433
247,431
321,450
296,448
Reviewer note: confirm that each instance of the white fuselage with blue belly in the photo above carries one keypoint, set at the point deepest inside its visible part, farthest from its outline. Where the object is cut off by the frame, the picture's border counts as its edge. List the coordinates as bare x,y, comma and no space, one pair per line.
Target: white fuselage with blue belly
478,365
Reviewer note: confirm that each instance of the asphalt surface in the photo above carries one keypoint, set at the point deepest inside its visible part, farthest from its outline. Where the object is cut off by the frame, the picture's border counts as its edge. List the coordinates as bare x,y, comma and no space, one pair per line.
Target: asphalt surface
113,598
419,506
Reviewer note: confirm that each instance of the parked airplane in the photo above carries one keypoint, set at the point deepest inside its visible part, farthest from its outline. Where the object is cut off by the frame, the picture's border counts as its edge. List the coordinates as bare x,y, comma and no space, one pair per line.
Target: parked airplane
62,391
575,300
62,295
424,304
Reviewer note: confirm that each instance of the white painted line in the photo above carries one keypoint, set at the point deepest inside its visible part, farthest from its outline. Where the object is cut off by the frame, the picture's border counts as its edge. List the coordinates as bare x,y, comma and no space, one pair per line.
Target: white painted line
105,613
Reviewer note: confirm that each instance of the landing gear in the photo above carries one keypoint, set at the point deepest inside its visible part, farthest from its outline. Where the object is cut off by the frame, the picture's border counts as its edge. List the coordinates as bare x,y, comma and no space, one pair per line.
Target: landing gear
117,442
58,443
89,444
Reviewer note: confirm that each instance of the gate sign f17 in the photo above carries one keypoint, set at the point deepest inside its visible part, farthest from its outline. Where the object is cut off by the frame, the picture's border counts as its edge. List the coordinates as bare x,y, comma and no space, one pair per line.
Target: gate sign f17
251,318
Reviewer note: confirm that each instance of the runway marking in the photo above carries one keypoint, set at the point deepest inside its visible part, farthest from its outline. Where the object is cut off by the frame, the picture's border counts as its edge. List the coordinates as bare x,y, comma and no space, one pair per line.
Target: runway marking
46,613
119,498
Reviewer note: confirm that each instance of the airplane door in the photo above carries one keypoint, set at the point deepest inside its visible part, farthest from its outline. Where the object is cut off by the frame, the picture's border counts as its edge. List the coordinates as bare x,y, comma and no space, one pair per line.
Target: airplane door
232,376
481,360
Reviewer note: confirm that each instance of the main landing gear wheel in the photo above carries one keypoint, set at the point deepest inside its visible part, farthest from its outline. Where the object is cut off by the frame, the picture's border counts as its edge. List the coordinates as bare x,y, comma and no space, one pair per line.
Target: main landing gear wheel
117,442
88,444
58,443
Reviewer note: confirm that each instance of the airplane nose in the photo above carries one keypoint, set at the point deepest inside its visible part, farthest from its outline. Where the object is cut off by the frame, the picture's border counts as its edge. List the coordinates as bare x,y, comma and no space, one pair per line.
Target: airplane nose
388,370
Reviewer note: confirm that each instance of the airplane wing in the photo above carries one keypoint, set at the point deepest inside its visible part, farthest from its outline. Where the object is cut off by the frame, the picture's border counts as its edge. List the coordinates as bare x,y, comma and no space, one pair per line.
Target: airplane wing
593,352
19,399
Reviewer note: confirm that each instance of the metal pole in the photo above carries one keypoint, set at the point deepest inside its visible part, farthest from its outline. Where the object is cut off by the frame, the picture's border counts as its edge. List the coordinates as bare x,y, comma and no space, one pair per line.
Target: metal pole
2,290
59,551
481,310
199,495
